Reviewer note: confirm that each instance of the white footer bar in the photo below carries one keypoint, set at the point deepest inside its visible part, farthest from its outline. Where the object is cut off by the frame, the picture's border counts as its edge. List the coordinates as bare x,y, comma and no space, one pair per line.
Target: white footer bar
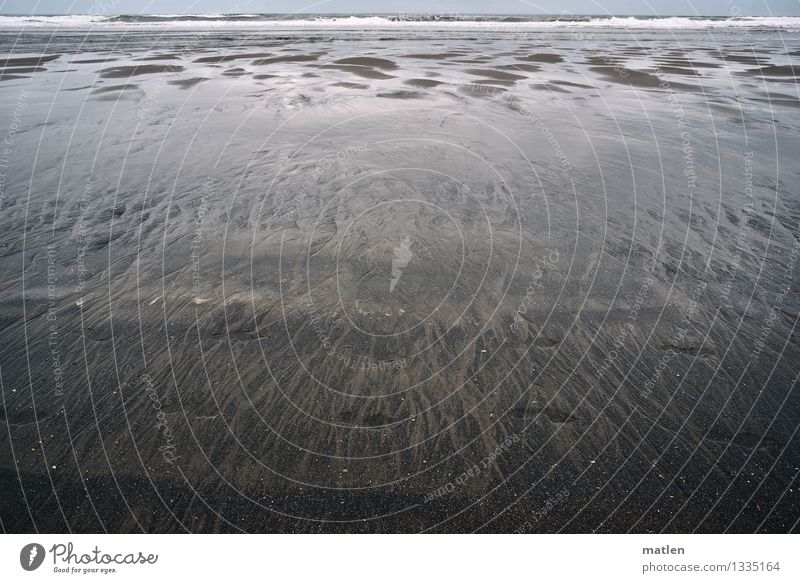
400,558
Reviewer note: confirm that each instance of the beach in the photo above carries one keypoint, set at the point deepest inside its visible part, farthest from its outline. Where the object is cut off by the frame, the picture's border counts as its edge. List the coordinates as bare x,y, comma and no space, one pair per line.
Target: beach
391,276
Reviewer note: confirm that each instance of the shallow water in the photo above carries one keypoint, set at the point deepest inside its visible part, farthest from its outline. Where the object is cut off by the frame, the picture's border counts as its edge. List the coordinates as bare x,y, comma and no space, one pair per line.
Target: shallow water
315,279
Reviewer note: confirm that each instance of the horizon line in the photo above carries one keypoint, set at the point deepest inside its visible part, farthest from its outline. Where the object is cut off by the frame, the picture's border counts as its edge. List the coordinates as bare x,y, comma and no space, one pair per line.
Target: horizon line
397,13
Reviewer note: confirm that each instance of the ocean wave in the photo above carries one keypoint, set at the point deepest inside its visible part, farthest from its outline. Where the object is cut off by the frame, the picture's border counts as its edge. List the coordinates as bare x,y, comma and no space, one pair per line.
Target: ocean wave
400,20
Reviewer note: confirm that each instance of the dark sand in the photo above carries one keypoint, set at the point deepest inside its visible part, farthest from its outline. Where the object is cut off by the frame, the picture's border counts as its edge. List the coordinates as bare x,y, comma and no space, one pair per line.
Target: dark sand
272,287
123,72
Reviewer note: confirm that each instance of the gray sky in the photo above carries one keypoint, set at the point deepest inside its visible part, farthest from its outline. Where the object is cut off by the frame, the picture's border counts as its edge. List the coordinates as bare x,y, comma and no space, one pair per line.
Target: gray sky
661,7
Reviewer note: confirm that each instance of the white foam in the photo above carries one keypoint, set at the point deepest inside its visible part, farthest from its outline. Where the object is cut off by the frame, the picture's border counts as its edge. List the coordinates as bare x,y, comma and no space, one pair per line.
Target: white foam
218,21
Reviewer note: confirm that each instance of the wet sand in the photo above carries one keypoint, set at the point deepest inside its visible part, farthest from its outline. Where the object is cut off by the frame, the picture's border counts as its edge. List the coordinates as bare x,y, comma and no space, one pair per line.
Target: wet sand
364,285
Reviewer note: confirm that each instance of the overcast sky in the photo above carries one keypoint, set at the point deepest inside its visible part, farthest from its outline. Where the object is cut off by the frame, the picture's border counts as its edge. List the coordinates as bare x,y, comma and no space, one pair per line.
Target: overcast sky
661,7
